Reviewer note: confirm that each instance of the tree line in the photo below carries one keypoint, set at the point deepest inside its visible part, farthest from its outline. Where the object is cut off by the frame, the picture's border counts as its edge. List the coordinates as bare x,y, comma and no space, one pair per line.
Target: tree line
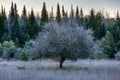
24,27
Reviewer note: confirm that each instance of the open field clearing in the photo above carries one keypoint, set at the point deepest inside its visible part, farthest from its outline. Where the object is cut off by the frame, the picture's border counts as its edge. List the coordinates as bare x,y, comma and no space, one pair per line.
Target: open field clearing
49,70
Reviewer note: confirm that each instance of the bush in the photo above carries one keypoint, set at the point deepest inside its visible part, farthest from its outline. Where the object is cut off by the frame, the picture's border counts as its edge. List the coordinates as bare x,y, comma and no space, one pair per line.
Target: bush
117,56
99,55
1,50
21,54
8,49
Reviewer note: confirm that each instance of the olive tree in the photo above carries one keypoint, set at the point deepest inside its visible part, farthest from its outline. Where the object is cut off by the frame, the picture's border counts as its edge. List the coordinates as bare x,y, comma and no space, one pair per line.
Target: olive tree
64,40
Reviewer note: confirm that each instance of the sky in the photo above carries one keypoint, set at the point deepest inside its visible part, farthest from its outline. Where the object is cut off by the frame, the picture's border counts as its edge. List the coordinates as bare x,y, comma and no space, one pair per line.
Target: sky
109,6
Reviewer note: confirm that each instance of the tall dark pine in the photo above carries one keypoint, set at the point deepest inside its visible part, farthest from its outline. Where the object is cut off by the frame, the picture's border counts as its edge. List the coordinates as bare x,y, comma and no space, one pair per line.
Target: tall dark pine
15,28
77,16
81,17
81,13
23,24
118,15
72,13
92,20
99,31
32,26
11,18
58,14
51,14
3,25
63,11
44,14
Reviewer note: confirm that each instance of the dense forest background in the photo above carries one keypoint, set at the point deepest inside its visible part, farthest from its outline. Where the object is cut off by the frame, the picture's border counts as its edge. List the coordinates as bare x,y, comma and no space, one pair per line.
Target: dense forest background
17,30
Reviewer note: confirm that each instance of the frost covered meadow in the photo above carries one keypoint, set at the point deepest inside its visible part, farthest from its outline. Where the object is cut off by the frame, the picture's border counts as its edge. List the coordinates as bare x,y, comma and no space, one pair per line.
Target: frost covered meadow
49,70
61,45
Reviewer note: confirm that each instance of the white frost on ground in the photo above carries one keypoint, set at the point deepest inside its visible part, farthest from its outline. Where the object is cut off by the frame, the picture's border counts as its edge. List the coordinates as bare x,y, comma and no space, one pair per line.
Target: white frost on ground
44,70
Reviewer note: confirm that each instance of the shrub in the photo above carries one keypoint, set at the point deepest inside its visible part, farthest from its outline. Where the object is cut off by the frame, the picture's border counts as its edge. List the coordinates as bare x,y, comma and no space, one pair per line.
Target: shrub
117,56
28,46
1,50
8,49
21,54
99,55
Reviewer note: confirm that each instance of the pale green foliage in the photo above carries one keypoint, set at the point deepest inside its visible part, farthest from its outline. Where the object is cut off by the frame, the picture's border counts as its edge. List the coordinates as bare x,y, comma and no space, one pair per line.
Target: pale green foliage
8,49
99,55
21,54
108,45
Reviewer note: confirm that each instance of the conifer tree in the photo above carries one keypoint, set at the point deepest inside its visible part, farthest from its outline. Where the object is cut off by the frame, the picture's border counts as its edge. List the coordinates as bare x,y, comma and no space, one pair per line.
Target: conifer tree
92,21
58,14
32,26
100,28
108,45
11,18
15,28
81,17
63,11
51,14
2,23
77,13
44,14
77,16
72,13
115,31
23,24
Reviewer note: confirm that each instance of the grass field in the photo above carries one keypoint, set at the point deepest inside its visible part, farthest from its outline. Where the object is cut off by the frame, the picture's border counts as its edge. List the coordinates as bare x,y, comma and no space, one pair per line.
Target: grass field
49,70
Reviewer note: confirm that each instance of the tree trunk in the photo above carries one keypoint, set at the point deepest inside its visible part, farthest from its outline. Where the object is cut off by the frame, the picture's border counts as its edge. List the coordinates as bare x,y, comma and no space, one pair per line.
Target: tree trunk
62,59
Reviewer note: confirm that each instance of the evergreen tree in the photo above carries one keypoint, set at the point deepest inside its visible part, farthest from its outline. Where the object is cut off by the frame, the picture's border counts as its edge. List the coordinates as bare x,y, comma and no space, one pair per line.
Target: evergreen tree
72,18
108,45
63,11
100,28
92,20
23,20
11,18
77,16
44,14
58,15
15,28
51,14
32,26
2,23
115,30
72,13
81,17
23,24
118,15
81,13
